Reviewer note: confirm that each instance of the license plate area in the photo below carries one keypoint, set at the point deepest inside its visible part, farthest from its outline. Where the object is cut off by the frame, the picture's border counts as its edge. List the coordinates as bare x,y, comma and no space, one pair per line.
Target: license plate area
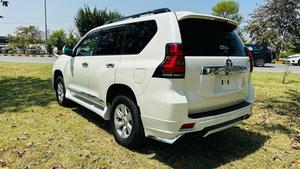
225,83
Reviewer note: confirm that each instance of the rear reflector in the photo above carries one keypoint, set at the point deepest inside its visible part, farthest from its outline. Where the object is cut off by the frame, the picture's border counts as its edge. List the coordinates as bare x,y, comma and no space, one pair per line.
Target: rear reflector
173,65
249,54
188,126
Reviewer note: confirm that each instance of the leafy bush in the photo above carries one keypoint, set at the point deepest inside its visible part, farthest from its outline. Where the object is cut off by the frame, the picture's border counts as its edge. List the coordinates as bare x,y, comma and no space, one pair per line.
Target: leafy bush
285,54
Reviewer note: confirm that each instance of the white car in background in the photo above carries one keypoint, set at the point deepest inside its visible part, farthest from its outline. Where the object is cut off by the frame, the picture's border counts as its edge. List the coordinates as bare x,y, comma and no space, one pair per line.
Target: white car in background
294,59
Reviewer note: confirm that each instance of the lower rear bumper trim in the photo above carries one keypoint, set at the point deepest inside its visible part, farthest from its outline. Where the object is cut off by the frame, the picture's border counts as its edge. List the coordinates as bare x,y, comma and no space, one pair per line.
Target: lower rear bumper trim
209,130
219,111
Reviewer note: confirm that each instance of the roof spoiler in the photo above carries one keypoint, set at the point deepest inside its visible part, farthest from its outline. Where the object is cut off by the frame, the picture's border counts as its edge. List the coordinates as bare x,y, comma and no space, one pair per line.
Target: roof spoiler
186,15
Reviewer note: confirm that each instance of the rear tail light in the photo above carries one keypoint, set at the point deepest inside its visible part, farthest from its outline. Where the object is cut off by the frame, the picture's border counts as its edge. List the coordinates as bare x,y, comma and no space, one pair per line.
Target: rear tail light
249,54
173,65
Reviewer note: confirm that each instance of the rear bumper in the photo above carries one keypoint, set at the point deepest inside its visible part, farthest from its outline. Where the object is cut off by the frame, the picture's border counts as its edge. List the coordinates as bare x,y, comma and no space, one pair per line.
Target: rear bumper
165,109
169,131
291,61
269,59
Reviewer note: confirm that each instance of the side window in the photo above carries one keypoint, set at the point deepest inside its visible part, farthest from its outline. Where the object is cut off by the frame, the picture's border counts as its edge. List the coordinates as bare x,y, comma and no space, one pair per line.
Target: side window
87,46
138,35
110,42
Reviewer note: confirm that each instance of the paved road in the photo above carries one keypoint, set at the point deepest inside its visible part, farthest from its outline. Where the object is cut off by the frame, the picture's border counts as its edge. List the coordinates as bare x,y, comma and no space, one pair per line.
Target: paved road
27,59
276,68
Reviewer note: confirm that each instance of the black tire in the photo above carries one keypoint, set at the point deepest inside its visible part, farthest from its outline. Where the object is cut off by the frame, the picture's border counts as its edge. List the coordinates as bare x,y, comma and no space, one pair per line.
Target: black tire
260,62
61,101
137,135
299,62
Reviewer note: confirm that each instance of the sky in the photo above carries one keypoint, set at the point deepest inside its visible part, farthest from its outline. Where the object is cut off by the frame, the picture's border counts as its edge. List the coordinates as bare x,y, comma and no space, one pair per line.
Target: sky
60,13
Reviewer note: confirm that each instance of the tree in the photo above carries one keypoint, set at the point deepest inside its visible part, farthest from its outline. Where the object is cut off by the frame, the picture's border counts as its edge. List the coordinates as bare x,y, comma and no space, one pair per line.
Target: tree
228,9
72,39
25,37
87,19
57,39
276,24
3,3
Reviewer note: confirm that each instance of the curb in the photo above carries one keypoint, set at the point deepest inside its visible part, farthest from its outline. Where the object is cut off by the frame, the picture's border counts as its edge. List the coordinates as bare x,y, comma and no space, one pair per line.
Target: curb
26,55
280,62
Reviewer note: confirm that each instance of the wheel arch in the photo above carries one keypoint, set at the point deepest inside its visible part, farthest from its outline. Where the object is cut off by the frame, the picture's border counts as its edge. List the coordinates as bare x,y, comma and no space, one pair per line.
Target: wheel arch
120,89
56,74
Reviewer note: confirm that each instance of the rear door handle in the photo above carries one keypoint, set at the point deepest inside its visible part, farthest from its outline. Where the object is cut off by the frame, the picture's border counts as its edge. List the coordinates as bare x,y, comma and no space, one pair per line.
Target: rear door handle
110,65
85,65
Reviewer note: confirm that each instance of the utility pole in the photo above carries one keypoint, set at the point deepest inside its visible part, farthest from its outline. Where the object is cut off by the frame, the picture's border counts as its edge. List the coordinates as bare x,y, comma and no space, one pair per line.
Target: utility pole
46,29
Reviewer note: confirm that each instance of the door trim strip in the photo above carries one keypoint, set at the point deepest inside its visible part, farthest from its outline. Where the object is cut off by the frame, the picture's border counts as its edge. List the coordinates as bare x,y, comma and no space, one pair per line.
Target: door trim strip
90,99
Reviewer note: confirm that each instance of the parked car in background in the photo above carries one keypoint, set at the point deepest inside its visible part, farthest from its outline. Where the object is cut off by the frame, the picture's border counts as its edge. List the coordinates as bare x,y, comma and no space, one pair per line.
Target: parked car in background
34,51
261,54
3,50
160,74
294,59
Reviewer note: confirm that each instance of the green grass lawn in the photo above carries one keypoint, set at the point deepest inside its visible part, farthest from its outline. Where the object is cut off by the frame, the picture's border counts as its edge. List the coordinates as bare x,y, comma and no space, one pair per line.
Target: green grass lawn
37,133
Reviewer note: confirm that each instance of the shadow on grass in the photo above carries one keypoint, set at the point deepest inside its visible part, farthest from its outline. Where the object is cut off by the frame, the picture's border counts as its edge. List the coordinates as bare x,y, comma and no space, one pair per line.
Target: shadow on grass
291,81
290,107
21,92
211,152
278,128
90,116
194,152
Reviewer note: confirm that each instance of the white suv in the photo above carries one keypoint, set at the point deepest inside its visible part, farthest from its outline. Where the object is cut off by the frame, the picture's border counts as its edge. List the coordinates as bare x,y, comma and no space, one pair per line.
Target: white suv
160,74
294,59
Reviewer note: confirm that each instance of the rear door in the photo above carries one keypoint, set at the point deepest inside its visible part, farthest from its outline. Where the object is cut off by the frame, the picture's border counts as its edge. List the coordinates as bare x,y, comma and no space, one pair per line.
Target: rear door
106,61
217,68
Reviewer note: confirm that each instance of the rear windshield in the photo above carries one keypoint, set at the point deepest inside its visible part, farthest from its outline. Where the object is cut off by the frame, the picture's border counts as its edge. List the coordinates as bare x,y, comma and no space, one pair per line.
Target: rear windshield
210,38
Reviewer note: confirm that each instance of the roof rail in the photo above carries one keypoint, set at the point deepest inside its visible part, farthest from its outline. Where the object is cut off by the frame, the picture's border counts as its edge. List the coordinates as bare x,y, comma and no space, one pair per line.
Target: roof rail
156,11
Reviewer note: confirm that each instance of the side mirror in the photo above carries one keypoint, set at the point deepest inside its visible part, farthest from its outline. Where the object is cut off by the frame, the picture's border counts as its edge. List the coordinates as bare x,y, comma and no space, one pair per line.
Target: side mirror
67,51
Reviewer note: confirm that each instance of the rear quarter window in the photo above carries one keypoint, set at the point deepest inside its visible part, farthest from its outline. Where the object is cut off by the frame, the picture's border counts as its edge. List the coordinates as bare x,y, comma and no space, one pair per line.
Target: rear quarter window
138,35
210,38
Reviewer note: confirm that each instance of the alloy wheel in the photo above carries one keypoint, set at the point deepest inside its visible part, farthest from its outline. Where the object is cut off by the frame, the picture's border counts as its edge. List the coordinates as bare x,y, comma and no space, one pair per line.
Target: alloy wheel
260,62
123,121
60,92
